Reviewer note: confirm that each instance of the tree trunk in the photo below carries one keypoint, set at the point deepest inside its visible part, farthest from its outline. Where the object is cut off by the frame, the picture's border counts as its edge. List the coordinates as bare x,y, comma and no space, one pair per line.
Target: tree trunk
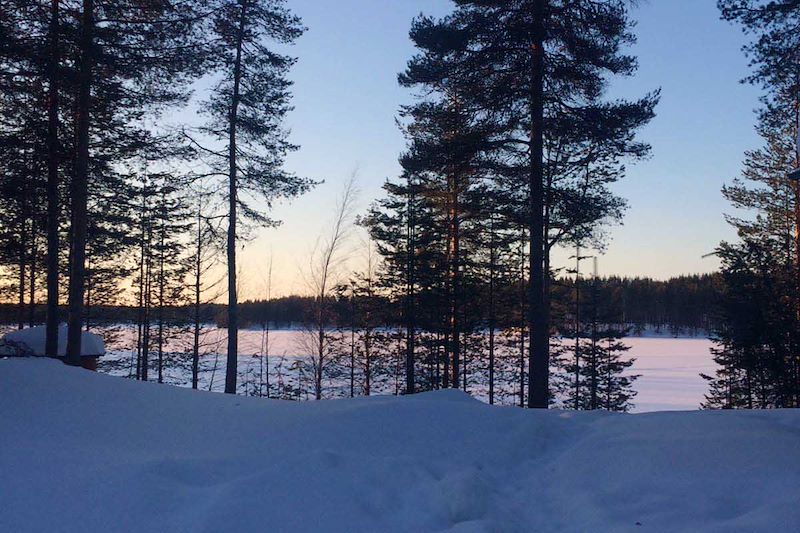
233,304
367,339
446,360
161,299
148,280
796,187
198,272
22,267
352,345
266,358
455,280
80,187
797,248
523,321
794,395
577,327
411,282
53,208
464,361
438,360
594,378
32,279
398,365
492,318
267,325
320,352
87,302
538,327
140,310
367,362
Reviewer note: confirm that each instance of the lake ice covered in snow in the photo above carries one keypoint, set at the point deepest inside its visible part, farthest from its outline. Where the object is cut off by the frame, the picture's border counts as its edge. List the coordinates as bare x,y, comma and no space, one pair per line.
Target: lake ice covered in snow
669,367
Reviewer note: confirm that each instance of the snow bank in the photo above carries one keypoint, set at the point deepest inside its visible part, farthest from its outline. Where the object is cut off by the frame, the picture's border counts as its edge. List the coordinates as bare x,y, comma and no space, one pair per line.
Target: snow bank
81,451
31,341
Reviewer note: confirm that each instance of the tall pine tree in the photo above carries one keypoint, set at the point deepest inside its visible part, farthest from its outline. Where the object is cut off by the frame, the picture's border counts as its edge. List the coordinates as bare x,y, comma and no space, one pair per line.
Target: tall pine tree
528,68
246,110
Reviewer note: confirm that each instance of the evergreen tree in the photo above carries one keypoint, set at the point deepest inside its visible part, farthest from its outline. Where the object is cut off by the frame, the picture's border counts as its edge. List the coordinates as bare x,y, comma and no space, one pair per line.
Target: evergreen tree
758,327
392,223
130,59
757,332
442,156
245,111
27,153
53,180
535,72
596,373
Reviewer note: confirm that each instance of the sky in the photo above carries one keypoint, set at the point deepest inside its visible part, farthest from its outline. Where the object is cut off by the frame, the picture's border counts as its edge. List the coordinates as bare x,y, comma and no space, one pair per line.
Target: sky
346,99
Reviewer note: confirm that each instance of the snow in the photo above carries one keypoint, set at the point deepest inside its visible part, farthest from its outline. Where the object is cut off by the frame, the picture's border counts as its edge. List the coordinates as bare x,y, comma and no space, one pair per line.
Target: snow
669,371
31,341
81,451
669,367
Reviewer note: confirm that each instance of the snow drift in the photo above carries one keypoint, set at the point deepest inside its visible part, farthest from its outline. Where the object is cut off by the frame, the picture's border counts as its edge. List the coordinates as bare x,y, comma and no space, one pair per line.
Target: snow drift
31,342
86,452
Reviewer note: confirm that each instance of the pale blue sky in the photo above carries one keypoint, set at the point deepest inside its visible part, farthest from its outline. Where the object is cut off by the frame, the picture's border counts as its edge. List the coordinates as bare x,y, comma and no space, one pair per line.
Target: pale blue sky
346,99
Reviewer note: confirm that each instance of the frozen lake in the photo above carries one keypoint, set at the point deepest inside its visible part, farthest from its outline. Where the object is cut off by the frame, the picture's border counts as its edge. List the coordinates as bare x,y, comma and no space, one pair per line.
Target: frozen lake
669,367
670,372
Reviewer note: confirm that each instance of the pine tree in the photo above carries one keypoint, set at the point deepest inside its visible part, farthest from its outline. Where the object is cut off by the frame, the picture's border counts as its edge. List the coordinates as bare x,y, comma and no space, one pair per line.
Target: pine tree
442,156
534,71
757,330
28,155
131,60
53,200
245,111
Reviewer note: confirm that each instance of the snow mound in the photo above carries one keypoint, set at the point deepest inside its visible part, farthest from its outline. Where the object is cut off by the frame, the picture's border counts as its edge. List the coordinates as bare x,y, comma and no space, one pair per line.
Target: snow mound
31,342
81,451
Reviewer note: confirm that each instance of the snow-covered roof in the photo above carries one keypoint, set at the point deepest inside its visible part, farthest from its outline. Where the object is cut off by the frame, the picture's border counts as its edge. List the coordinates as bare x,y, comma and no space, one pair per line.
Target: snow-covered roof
31,342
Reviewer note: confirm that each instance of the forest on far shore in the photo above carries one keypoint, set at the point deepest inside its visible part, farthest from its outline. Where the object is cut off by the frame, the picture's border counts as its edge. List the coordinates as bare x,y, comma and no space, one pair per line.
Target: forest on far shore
684,305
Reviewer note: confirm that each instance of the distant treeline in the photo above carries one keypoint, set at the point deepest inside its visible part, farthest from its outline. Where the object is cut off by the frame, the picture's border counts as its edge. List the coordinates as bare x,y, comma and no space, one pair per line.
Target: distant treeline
681,305
684,304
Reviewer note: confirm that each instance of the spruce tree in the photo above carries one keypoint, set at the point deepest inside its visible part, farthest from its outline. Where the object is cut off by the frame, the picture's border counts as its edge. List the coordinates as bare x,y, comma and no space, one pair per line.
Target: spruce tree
595,374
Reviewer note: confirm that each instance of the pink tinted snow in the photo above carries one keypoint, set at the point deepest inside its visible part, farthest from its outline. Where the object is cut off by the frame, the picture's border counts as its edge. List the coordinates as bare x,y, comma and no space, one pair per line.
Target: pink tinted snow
670,371
669,367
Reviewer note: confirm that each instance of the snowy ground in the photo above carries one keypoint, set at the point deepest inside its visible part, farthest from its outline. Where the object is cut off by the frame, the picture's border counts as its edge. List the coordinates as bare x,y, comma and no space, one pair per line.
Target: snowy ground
88,452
